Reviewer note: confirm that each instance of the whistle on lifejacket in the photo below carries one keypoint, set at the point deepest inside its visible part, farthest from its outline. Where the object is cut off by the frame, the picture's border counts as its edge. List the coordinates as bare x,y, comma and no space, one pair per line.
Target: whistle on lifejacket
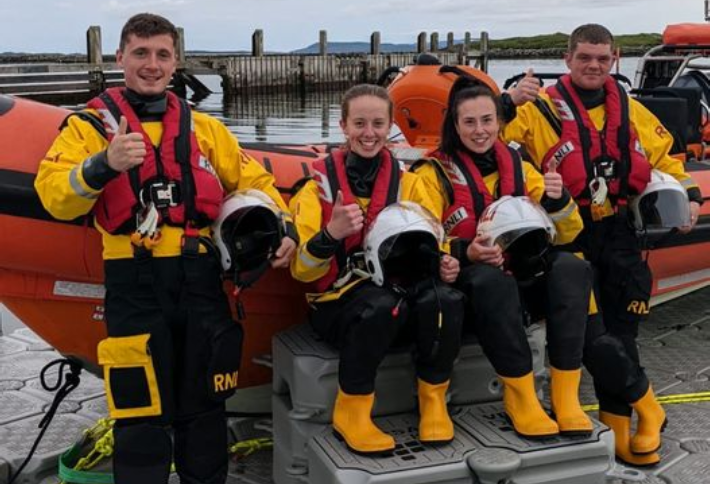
598,190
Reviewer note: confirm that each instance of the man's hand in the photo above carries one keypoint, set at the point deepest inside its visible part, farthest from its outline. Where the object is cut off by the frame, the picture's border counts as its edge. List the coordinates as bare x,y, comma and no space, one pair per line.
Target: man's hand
694,213
480,250
346,219
449,268
526,89
126,149
284,254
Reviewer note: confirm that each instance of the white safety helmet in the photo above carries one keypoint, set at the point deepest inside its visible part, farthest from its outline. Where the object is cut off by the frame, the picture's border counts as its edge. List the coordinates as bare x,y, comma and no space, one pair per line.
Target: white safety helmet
402,243
248,230
663,204
523,230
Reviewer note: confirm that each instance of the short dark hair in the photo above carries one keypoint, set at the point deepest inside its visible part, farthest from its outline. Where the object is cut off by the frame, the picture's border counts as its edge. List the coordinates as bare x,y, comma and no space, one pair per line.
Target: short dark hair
590,34
364,90
464,88
146,25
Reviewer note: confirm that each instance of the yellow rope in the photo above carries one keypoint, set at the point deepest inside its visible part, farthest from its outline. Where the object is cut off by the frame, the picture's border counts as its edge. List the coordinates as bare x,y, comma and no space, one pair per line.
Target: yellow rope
667,400
248,447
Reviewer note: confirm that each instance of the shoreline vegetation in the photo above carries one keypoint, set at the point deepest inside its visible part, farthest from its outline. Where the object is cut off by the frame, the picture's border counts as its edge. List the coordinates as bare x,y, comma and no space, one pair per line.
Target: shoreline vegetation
540,46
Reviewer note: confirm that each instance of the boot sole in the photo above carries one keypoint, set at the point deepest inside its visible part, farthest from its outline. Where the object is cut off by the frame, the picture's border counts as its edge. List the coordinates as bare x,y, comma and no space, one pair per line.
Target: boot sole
663,428
364,453
530,437
642,466
577,433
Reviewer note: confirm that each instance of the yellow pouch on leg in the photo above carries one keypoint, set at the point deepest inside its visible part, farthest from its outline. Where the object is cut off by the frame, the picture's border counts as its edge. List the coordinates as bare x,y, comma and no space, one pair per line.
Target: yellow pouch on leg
129,377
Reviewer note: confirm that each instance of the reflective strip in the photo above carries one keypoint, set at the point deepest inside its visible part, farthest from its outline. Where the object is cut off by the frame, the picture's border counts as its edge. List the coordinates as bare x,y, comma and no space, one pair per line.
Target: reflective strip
108,119
309,261
77,186
688,183
562,214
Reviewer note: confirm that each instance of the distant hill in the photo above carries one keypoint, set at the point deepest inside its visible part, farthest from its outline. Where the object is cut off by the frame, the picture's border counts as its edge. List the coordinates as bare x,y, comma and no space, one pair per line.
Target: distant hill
355,47
499,47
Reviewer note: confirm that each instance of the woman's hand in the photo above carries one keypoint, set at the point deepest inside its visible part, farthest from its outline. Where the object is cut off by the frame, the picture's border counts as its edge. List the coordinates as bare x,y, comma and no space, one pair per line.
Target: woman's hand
481,250
449,268
346,220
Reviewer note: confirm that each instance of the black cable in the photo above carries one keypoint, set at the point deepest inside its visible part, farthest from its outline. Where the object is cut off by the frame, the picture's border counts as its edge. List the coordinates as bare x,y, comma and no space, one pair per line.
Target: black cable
63,387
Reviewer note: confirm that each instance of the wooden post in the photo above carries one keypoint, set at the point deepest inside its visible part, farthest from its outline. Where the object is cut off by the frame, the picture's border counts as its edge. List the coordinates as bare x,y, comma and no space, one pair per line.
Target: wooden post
421,43
450,42
323,42
375,43
435,42
466,42
97,80
484,52
257,43
93,45
181,48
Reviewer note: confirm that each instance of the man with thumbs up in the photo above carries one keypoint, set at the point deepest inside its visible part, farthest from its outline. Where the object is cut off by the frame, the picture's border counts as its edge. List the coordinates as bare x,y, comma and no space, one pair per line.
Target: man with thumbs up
154,175
604,144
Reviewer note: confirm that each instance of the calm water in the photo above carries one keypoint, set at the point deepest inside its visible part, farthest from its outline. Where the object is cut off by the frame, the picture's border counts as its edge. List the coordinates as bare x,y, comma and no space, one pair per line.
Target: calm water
291,118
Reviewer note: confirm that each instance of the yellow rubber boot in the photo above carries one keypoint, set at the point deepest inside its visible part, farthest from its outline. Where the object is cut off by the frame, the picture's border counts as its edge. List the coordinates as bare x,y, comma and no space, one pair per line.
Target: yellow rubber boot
353,422
621,426
651,422
435,425
524,409
564,395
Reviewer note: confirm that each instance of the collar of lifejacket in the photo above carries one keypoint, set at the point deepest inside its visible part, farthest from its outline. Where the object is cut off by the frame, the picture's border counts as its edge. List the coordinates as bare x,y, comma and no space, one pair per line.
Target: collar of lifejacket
147,107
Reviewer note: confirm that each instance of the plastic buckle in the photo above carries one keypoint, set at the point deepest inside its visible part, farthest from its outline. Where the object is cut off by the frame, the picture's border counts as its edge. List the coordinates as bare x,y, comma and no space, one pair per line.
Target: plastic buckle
190,244
162,193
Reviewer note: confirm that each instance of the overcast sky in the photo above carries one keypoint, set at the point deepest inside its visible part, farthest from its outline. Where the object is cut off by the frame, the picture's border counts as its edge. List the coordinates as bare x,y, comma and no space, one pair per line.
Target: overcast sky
60,25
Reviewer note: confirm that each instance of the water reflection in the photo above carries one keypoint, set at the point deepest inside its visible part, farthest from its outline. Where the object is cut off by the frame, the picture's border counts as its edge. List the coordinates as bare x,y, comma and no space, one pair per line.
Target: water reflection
313,117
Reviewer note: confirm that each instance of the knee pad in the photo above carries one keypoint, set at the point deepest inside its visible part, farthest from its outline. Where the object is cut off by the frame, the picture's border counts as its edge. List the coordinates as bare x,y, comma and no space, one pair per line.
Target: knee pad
142,453
610,364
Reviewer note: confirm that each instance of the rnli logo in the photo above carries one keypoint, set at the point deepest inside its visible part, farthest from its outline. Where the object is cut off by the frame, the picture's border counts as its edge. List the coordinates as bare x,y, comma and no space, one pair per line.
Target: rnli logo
454,219
661,131
560,154
206,165
639,148
563,110
638,307
455,173
225,381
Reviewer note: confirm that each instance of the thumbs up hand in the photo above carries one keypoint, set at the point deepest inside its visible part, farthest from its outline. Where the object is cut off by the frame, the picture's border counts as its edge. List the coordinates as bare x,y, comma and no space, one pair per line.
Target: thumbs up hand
346,220
526,89
553,181
126,149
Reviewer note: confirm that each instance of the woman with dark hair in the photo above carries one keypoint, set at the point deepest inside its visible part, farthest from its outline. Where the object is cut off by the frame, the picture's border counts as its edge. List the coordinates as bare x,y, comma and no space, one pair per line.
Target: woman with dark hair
472,170
361,316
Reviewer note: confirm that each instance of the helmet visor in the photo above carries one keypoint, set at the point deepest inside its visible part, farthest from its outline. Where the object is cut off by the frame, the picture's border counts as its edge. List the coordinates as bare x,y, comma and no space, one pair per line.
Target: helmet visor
664,209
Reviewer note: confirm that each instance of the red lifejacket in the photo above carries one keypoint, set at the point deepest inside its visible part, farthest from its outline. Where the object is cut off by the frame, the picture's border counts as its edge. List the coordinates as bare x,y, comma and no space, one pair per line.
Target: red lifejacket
331,176
176,173
470,194
582,149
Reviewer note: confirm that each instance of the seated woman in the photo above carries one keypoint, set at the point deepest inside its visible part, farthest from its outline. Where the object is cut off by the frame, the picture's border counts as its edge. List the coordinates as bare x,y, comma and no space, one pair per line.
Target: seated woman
471,169
351,312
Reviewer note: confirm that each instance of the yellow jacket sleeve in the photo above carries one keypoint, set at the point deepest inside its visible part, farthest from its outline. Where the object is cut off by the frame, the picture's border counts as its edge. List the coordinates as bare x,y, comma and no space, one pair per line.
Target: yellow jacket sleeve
235,168
307,214
564,213
657,142
60,182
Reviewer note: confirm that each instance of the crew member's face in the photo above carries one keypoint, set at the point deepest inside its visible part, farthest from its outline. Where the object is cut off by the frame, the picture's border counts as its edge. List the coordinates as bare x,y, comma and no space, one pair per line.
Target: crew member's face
367,127
148,63
590,64
477,124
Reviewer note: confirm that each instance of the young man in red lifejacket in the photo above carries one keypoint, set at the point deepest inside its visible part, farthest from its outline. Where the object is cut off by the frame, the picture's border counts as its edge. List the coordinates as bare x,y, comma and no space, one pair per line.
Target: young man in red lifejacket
605,144
358,316
154,173
471,170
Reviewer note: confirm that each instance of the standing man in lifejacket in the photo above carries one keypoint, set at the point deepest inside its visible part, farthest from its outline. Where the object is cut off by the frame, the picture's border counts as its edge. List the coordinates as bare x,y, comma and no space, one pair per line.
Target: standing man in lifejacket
154,175
605,144
350,311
